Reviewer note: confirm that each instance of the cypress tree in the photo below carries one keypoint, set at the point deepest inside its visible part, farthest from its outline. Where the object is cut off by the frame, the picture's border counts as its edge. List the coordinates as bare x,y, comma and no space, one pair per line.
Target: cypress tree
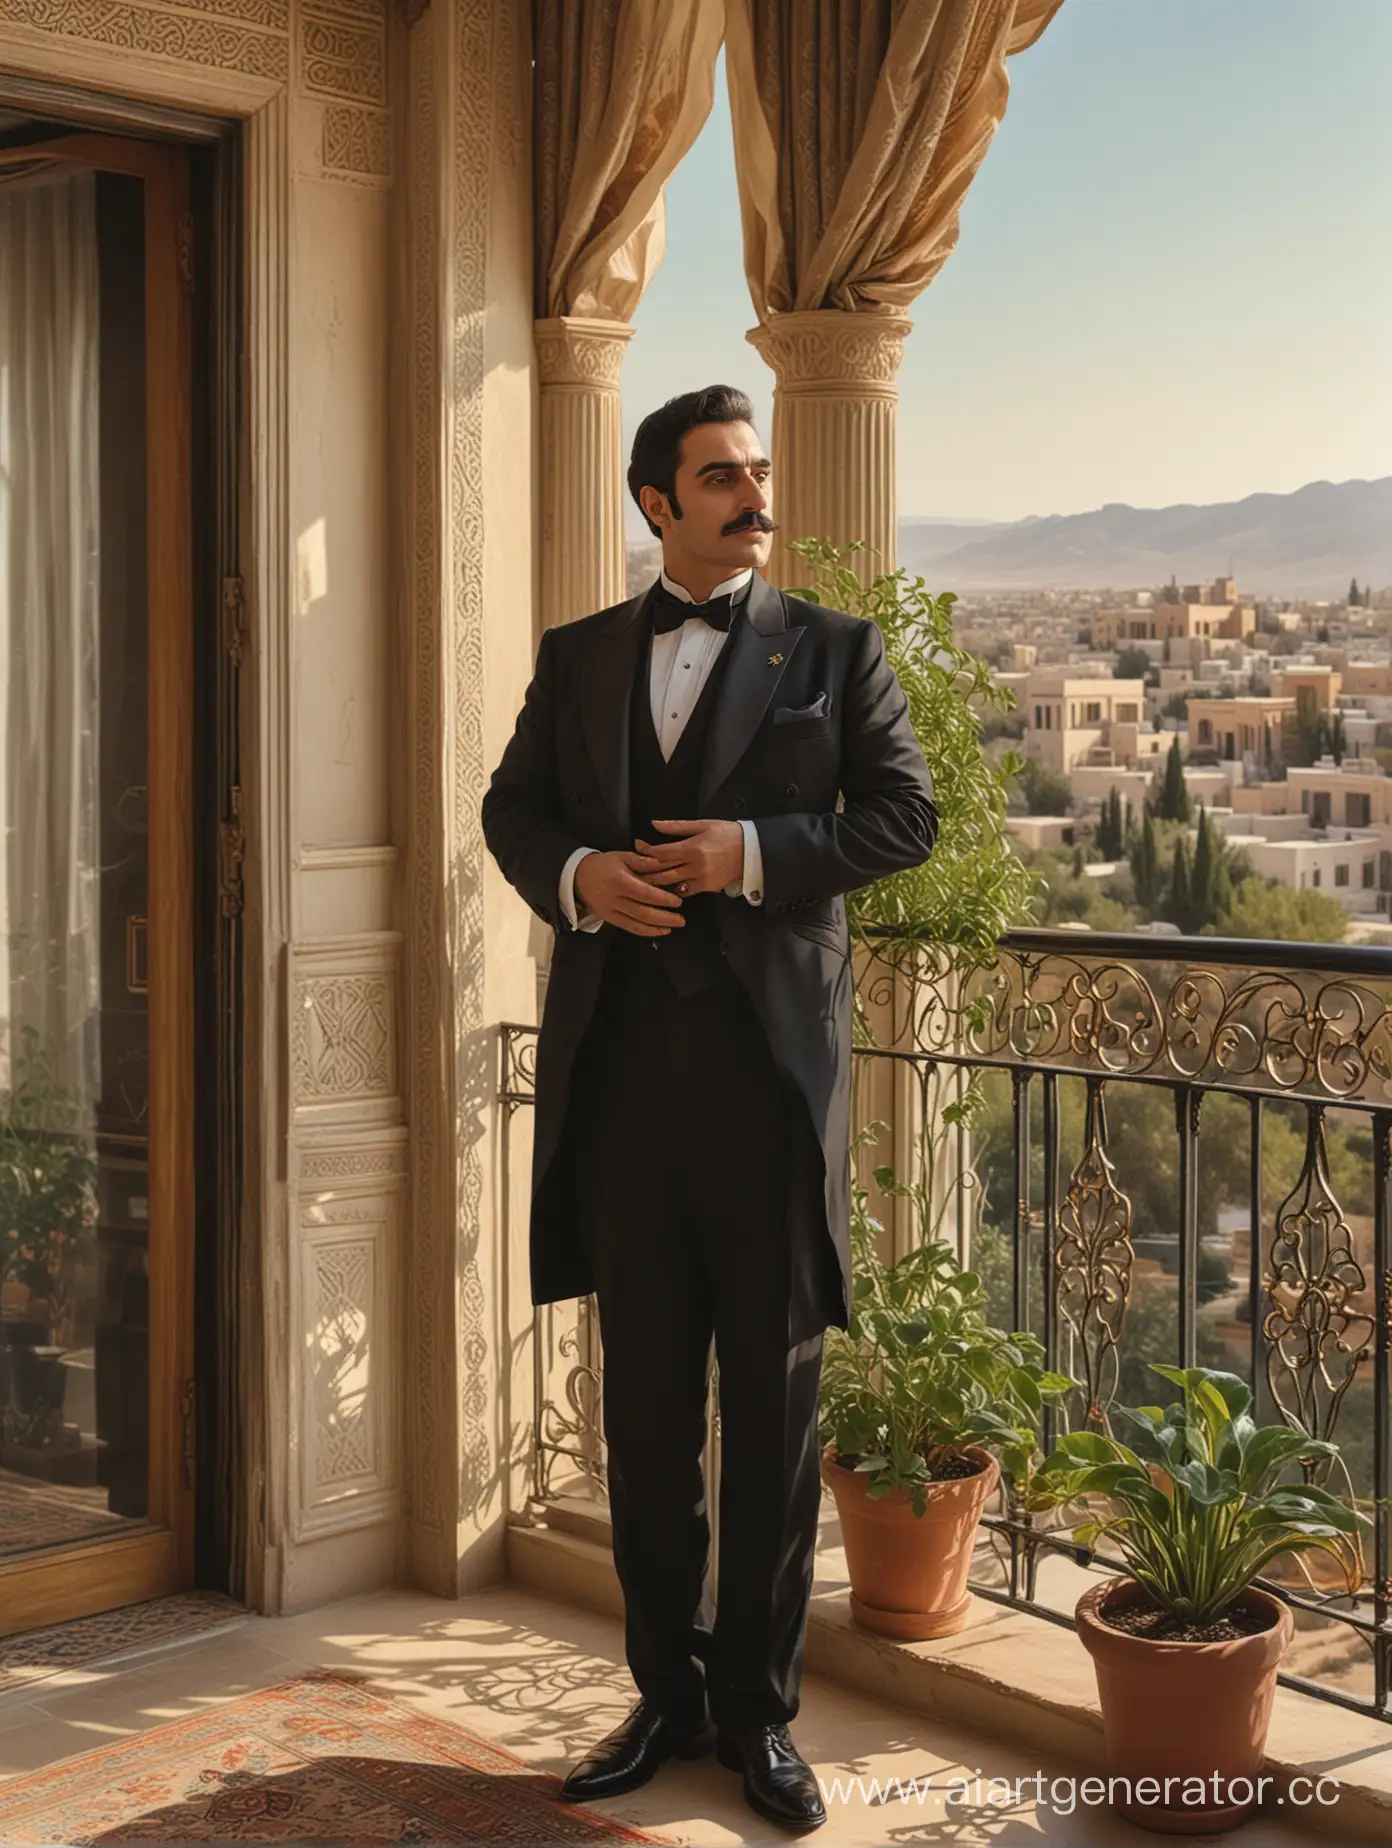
1174,797
1222,888
1181,886
1111,829
1353,592
1145,868
1201,890
1338,739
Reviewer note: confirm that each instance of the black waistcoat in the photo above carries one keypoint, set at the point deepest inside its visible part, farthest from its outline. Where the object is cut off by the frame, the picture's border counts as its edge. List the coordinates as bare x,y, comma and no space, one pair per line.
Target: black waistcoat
669,789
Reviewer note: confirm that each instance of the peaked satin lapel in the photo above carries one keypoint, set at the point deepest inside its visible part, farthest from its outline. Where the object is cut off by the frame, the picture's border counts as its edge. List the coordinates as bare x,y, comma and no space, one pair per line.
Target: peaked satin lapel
606,683
751,680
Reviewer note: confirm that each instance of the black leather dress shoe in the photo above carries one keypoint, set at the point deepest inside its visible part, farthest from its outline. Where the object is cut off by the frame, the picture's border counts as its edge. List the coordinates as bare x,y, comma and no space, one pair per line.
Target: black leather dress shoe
778,1782
633,1752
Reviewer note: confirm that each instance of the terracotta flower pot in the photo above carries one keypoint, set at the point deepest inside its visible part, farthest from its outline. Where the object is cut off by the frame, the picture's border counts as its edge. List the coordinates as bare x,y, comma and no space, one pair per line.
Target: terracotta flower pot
908,1571
1188,1712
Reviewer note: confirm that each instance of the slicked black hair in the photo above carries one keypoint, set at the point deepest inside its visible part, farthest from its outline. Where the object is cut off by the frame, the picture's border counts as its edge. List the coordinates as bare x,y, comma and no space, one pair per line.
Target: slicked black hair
657,447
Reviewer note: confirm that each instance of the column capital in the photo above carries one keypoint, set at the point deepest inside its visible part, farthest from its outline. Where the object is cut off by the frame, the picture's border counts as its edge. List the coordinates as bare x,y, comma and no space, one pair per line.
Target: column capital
580,352
832,352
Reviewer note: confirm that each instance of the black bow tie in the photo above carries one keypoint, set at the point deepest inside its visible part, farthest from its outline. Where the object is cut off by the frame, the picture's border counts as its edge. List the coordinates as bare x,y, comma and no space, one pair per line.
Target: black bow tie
669,612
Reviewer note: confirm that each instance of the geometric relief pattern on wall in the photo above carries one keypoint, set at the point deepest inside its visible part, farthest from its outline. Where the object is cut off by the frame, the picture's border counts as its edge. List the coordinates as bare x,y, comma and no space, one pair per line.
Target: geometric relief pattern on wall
204,32
348,1357
356,142
345,1030
319,1164
340,1362
343,51
343,1037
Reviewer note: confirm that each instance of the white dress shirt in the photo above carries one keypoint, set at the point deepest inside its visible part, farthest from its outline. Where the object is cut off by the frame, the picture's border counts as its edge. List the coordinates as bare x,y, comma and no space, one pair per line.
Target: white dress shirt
681,663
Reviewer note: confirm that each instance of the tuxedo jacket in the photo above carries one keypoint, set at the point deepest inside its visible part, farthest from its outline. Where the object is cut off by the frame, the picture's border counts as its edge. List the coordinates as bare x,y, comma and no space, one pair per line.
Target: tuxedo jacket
810,739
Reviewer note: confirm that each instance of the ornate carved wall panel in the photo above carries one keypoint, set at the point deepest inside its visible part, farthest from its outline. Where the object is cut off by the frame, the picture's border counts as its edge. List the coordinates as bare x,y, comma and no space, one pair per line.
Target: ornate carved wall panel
460,85
250,36
341,57
349,1396
351,1341
332,52
357,142
345,1032
342,50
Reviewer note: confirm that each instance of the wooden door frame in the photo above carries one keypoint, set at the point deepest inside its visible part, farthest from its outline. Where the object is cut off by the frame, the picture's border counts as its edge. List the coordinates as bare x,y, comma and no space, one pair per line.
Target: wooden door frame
61,1582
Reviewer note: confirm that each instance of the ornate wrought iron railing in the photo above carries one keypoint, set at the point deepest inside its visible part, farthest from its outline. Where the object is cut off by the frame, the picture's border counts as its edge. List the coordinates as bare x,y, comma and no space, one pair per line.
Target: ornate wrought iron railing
1163,1149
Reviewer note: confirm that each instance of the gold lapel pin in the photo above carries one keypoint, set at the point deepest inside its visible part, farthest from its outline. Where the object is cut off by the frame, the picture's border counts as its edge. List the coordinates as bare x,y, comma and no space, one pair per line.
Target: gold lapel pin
774,660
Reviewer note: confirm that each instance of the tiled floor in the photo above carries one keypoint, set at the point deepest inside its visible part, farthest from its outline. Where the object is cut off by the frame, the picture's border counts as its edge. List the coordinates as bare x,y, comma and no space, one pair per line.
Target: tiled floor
544,1680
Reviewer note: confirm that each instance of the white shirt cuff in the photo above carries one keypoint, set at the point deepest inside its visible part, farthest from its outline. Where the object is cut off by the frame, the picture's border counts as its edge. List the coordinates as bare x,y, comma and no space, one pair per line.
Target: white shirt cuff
750,885
593,922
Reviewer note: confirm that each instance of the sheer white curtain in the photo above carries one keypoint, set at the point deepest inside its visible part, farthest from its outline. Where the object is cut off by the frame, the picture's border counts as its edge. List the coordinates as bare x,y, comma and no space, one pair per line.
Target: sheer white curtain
50,945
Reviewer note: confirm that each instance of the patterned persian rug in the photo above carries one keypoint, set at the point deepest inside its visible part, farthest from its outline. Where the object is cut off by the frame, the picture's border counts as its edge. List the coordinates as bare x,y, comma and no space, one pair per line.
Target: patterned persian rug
323,1758
88,1640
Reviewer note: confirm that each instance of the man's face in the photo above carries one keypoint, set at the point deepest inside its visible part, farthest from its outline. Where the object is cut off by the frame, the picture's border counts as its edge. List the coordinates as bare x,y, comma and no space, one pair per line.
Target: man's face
724,489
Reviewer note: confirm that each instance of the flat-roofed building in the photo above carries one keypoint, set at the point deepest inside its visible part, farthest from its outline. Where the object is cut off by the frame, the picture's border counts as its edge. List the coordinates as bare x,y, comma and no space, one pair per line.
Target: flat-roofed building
1249,725
1074,718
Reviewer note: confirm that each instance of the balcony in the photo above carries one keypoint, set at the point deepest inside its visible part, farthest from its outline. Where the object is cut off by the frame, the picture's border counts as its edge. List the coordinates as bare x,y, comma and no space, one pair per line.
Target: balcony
1175,1149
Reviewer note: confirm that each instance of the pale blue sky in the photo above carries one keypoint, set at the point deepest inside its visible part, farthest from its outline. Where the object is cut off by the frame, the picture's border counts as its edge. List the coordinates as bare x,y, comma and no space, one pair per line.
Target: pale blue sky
1173,283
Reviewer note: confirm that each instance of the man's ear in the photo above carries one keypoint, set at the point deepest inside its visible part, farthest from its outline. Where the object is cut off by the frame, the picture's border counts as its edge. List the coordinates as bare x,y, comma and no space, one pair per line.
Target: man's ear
654,505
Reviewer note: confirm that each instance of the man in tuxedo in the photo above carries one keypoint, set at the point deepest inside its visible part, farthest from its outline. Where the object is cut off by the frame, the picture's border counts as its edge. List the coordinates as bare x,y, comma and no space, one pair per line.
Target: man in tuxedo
697,777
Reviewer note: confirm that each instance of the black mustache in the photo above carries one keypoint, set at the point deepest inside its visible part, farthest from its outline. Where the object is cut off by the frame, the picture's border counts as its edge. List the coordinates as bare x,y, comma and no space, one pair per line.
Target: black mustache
760,521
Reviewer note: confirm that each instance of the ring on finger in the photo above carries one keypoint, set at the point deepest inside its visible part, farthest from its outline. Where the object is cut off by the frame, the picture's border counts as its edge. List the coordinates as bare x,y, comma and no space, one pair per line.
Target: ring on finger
683,887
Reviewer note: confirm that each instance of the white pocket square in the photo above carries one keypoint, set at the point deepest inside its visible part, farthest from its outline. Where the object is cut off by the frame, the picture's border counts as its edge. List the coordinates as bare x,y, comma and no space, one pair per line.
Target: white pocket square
785,715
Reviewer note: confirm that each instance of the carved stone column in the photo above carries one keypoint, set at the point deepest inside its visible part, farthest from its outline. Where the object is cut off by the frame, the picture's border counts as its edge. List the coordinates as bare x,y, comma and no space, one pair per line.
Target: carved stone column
835,407
581,465
835,412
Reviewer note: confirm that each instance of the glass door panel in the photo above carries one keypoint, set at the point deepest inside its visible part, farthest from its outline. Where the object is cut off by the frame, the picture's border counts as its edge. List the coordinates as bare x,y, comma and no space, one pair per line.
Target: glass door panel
91,1332
74,1028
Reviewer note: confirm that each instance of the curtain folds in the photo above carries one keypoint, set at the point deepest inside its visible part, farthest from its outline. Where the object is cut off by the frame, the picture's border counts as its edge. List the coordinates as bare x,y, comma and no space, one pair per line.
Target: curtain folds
50,936
859,126
621,90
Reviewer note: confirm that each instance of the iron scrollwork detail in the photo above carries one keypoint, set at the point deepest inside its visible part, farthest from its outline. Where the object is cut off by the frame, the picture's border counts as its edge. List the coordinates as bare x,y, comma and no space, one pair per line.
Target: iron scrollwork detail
1292,1032
1316,1338
1093,1261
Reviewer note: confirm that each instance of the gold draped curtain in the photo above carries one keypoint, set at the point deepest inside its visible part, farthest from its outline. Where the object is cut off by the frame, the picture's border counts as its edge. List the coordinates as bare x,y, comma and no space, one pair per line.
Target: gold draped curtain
859,126
621,89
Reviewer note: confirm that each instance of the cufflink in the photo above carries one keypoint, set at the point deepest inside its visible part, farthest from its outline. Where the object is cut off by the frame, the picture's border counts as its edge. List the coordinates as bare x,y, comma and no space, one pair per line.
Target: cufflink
756,896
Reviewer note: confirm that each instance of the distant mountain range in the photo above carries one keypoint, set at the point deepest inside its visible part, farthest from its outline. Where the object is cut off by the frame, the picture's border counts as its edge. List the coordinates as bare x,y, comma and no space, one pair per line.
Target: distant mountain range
1305,544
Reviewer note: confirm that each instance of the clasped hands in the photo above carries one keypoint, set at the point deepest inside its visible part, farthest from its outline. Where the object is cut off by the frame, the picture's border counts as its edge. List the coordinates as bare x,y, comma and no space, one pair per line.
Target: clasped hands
642,891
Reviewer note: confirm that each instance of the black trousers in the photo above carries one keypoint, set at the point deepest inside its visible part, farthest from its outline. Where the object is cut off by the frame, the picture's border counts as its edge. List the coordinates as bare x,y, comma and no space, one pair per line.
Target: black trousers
684,1136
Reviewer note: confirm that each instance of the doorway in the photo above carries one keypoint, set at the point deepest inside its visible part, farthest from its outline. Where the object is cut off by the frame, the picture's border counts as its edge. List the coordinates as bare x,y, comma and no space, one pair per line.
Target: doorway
97,897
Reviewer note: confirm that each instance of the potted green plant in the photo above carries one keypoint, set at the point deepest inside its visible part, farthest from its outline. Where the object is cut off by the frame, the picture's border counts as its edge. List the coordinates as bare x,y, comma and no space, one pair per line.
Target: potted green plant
1198,1501
48,1209
924,1402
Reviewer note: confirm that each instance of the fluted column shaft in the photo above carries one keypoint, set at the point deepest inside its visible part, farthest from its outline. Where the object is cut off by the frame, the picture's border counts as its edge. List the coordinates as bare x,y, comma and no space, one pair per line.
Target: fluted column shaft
835,409
579,362
835,474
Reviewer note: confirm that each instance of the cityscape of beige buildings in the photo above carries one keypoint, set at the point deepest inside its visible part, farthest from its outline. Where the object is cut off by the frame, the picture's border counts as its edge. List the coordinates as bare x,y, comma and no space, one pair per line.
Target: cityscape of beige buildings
1282,714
